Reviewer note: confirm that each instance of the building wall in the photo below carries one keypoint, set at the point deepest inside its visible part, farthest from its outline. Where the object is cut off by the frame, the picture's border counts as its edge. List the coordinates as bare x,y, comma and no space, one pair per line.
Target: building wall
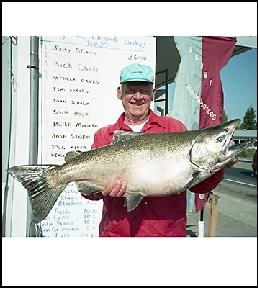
15,135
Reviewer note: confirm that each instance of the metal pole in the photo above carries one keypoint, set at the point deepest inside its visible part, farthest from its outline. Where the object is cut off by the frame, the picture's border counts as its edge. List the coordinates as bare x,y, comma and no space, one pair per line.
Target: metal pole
33,142
201,224
6,175
34,88
201,215
166,101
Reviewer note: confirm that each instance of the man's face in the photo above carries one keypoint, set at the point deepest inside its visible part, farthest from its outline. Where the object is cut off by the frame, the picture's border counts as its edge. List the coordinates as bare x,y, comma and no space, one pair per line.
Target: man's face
136,98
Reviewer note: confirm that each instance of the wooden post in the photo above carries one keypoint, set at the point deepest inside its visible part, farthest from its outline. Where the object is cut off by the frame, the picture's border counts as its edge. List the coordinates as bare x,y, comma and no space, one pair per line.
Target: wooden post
213,215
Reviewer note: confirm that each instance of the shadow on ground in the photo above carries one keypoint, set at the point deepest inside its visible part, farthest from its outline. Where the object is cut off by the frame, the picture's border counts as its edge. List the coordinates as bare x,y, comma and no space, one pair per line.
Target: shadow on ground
189,232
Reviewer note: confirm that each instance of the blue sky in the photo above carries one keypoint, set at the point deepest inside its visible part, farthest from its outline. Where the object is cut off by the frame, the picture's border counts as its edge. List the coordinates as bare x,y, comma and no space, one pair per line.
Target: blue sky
239,83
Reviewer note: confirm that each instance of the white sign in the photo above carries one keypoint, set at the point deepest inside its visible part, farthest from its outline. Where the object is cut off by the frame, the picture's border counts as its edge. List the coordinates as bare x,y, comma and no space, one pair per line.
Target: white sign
80,76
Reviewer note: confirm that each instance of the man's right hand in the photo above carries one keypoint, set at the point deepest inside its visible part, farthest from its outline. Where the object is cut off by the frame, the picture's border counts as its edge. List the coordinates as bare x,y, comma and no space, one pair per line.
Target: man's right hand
115,189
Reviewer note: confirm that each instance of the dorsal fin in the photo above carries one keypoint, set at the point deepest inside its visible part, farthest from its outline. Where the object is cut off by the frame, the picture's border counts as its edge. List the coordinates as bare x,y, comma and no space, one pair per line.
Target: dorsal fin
71,155
120,135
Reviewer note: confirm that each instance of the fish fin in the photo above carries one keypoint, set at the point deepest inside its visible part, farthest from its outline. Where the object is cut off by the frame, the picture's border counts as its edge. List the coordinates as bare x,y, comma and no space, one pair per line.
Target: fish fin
193,181
132,201
42,196
71,155
120,135
85,187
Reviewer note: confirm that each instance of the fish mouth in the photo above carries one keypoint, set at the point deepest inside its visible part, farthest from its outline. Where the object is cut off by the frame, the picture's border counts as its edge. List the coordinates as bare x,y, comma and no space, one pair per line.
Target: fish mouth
235,149
227,144
232,151
229,128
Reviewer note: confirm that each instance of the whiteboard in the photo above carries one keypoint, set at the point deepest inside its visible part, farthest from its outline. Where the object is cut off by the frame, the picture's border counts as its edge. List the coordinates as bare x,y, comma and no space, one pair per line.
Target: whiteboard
79,78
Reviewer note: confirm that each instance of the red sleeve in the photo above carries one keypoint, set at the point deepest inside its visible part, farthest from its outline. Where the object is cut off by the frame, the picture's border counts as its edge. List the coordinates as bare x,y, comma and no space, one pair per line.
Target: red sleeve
208,184
101,138
175,125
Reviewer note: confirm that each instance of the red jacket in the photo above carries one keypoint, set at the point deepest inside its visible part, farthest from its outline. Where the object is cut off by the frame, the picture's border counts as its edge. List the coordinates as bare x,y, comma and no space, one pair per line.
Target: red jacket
154,216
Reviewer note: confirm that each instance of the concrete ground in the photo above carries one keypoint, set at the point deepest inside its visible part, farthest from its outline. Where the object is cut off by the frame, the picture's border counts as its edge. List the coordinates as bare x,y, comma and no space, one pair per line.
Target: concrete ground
236,215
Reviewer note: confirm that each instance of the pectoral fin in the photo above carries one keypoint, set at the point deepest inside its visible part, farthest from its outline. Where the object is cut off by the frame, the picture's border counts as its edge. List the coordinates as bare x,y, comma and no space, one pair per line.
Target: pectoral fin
132,201
85,187
193,180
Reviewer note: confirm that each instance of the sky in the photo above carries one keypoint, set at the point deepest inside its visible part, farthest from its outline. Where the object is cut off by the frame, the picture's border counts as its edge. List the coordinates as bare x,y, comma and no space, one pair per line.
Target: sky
239,84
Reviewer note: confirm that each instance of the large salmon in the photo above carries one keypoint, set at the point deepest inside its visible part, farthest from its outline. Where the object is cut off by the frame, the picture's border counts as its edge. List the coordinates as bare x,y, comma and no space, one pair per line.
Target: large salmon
157,164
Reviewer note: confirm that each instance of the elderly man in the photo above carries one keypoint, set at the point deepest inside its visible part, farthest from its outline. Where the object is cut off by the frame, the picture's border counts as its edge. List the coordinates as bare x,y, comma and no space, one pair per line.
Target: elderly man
154,216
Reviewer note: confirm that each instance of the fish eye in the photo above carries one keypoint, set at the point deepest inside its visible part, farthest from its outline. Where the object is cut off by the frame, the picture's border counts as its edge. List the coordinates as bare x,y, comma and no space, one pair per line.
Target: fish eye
220,139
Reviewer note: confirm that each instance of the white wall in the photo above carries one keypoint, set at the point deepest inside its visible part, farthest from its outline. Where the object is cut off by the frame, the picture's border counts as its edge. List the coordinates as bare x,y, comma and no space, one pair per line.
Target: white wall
6,100
16,201
16,208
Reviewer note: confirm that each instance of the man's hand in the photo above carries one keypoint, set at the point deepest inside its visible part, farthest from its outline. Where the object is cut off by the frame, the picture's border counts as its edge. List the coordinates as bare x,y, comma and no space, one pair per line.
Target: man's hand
116,189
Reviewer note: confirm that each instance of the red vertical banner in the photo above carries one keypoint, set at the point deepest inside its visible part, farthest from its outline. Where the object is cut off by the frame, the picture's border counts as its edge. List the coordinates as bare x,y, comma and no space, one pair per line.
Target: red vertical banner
216,52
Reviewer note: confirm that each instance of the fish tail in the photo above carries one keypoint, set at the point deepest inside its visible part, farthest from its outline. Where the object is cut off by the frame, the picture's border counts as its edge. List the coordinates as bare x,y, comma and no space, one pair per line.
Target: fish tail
42,195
